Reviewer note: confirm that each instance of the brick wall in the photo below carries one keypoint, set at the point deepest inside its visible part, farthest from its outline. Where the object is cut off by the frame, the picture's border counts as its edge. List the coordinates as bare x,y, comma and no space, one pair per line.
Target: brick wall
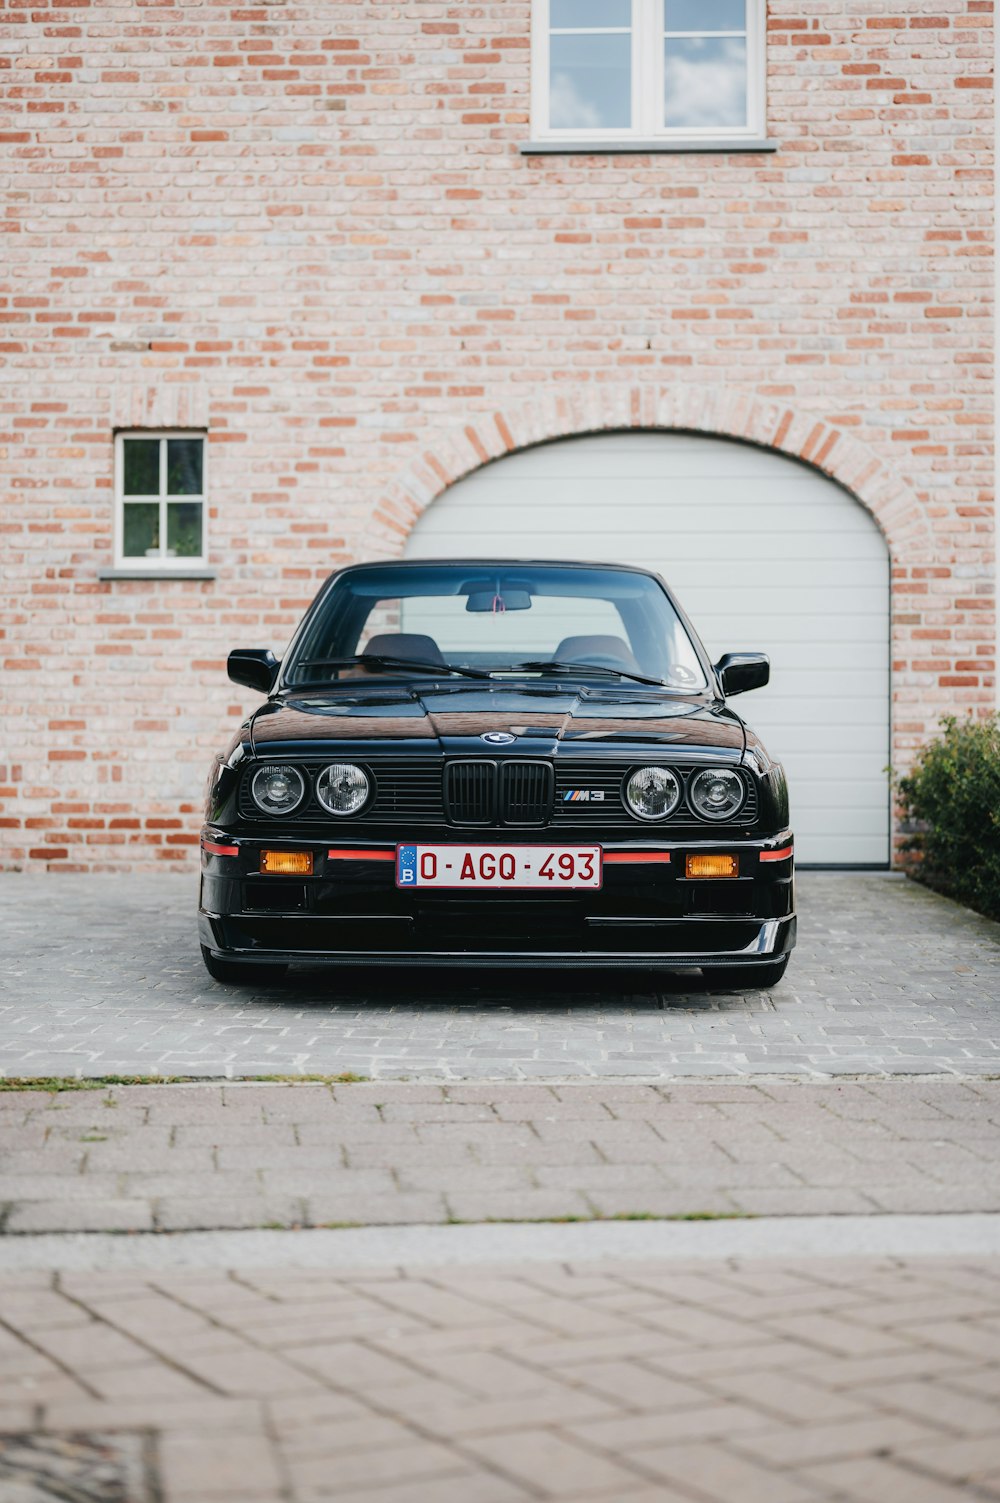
307,226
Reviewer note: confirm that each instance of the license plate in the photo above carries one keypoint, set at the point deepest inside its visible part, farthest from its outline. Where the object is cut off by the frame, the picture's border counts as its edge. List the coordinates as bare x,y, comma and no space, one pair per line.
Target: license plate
543,867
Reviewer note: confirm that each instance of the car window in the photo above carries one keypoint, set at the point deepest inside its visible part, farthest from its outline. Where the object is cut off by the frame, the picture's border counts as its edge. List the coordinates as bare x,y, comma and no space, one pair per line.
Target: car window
495,617
497,636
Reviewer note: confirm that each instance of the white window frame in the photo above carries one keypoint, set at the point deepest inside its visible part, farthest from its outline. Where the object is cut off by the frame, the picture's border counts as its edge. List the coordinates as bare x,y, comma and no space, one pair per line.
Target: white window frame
161,562
647,83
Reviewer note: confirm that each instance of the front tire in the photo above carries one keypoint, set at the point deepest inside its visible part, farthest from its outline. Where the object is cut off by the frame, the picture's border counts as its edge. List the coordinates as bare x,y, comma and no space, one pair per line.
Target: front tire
240,972
748,978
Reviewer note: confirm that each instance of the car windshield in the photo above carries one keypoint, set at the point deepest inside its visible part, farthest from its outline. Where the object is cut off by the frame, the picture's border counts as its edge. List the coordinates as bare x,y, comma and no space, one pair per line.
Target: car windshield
495,620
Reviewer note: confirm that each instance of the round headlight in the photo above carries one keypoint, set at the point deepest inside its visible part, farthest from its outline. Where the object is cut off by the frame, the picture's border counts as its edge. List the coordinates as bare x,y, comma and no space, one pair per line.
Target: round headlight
278,790
652,793
716,793
343,788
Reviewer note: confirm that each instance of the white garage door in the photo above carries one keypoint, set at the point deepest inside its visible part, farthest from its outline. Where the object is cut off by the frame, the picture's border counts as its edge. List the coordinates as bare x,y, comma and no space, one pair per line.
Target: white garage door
762,552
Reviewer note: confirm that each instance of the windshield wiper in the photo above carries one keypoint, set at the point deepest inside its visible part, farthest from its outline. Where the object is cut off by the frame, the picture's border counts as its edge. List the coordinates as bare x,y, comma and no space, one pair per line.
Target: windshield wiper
548,665
420,665
386,660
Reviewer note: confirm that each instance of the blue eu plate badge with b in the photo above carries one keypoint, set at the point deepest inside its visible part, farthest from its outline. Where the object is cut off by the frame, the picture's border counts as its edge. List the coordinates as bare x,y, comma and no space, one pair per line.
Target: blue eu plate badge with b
406,866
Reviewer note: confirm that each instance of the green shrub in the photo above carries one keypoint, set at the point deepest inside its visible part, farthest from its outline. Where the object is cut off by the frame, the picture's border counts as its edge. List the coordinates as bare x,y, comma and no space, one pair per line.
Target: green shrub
952,798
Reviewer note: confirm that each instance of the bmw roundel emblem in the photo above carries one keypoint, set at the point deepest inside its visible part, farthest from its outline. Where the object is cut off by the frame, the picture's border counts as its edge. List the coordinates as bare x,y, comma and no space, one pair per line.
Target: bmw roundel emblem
497,738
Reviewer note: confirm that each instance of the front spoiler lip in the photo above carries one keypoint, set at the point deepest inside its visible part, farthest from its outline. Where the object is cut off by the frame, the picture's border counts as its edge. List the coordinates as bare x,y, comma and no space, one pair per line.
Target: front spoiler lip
775,938
648,837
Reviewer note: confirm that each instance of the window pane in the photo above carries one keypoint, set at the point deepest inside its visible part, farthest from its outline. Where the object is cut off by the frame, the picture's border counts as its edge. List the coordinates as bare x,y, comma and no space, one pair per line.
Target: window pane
142,466
184,457
590,82
577,13
705,81
184,529
585,604
704,15
141,529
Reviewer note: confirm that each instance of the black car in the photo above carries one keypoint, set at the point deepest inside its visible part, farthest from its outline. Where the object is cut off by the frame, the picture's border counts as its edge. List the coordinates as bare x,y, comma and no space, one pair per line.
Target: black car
497,763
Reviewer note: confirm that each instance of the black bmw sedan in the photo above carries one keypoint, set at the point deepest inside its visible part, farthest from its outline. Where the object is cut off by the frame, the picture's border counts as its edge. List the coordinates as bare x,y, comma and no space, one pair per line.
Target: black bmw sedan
497,763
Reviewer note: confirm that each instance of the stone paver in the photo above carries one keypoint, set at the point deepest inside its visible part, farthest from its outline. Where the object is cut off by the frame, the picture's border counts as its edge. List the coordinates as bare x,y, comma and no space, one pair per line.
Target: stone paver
101,975
204,1156
632,1382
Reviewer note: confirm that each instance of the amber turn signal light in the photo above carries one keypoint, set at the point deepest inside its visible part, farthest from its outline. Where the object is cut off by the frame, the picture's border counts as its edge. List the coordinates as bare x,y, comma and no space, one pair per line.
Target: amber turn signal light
286,863
711,866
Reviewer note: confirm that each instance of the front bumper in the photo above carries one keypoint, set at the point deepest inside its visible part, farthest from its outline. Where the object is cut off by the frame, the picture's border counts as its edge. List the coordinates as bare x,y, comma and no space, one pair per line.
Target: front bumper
350,912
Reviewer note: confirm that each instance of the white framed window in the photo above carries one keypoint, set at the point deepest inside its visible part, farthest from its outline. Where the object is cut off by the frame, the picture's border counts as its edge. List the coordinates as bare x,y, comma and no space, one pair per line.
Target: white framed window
681,72
160,511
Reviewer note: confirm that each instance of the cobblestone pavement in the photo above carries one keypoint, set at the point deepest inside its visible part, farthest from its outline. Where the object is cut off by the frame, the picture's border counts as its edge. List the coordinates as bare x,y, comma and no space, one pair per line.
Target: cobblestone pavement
873,1381
101,975
174,1158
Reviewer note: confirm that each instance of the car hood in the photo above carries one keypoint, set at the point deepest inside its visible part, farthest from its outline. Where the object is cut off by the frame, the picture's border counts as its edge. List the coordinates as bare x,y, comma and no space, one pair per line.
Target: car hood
453,718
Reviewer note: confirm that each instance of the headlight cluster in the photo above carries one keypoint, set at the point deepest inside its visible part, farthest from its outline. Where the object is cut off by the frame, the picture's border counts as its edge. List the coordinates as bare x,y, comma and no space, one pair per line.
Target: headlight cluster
278,790
342,788
716,793
653,793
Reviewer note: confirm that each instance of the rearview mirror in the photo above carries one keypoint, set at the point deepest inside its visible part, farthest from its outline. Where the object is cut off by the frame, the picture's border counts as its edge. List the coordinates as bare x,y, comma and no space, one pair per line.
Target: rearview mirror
487,600
253,667
740,671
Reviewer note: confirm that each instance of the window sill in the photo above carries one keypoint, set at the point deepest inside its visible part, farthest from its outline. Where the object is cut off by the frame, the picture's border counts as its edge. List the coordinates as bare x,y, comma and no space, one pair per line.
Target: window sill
647,146
196,573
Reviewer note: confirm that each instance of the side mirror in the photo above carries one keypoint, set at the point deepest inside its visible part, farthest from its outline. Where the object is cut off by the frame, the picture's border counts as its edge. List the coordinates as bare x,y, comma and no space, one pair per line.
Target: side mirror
253,667
740,671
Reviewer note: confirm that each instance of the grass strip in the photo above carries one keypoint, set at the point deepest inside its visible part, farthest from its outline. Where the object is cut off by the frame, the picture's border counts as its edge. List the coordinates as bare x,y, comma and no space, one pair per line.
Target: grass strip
55,1083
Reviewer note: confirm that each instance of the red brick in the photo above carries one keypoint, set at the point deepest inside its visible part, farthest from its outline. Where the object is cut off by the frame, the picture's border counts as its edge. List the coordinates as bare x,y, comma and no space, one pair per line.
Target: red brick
335,310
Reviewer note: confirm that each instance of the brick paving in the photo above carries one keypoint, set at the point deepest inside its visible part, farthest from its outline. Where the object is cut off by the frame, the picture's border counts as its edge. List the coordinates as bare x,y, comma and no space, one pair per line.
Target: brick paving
872,1380
785,1380
101,975
176,1158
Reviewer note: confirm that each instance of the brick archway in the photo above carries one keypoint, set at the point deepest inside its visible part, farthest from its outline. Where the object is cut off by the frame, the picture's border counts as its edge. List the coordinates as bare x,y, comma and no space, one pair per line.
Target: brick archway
689,408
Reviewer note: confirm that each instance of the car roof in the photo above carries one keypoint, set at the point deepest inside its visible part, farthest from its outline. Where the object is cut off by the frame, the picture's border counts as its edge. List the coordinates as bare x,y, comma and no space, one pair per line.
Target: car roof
466,561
